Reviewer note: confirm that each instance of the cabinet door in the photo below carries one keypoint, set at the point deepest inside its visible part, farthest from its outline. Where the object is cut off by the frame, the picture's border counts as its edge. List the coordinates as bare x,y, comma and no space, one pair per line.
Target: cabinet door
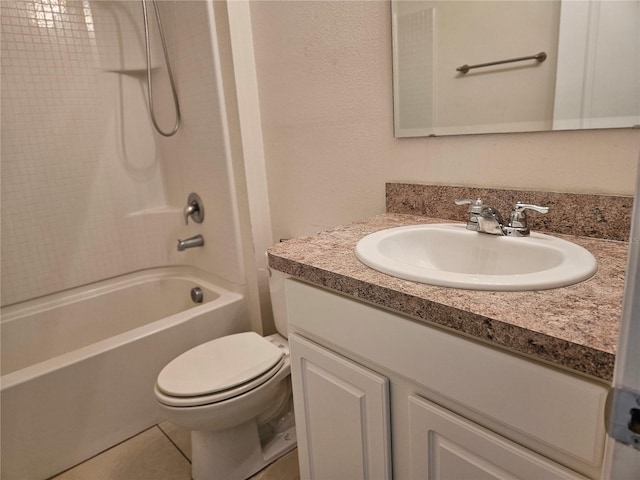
447,446
342,415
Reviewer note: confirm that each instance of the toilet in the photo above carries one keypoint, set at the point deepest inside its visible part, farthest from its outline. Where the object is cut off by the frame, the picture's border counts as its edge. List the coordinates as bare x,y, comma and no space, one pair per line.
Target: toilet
234,394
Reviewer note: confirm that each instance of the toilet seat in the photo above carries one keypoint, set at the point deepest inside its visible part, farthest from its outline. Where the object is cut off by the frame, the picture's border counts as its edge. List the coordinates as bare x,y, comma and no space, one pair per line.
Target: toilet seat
218,370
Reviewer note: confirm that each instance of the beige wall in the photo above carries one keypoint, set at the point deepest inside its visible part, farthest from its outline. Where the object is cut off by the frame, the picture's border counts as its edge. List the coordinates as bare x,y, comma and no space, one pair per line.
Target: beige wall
324,75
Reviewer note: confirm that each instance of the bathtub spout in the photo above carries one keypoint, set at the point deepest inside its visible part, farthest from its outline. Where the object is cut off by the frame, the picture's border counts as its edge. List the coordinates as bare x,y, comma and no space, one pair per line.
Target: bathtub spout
197,241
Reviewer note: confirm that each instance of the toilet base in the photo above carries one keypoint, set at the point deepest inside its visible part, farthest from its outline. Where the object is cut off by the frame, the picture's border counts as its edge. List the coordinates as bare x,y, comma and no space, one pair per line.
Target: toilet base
237,453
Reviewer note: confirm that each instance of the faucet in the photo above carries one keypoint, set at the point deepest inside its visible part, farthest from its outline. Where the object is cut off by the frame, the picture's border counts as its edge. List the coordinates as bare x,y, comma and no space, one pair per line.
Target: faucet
197,241
486,219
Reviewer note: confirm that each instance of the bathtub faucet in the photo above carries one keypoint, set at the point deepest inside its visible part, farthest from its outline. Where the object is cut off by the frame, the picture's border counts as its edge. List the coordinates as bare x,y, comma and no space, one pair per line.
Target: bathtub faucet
197,241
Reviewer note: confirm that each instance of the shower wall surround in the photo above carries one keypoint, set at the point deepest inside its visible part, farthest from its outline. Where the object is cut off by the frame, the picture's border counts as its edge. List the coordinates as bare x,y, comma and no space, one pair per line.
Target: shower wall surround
89,191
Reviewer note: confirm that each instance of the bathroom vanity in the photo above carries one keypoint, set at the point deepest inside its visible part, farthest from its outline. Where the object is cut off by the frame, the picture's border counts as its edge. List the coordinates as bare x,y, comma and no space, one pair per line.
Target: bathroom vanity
437,403
395,379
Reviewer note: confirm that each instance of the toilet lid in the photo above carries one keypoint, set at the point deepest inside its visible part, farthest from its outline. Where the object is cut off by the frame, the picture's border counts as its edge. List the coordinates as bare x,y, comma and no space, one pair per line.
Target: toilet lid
218,365
220,396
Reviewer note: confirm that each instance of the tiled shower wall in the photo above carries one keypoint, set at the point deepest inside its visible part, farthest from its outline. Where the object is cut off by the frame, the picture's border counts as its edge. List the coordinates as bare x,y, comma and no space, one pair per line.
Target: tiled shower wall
85,194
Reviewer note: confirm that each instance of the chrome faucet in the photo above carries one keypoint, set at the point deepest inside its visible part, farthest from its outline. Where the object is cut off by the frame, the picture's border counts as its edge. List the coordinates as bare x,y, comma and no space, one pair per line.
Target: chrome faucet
486,219
197,241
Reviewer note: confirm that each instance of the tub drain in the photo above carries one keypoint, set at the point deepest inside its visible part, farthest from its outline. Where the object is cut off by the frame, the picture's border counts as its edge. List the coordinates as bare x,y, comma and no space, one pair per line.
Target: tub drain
196,295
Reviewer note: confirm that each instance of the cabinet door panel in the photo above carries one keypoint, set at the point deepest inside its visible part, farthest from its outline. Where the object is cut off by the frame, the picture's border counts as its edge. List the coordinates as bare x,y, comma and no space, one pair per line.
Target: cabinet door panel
445,446
342,415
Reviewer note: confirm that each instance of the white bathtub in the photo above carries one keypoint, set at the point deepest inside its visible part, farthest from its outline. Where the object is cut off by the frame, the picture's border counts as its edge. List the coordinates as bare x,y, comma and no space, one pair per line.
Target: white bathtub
78,367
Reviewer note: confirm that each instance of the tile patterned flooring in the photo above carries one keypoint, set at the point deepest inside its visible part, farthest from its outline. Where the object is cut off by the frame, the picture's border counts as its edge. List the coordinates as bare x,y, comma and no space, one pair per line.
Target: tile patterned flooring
162,452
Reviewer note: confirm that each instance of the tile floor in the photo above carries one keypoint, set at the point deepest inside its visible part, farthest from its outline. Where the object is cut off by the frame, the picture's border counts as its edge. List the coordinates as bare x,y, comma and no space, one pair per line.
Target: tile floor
162,452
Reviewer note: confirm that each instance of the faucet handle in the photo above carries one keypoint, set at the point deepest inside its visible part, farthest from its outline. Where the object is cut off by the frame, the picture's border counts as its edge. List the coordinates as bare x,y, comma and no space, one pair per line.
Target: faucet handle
475,211
194,209
518,225
521,207
475,205
188,211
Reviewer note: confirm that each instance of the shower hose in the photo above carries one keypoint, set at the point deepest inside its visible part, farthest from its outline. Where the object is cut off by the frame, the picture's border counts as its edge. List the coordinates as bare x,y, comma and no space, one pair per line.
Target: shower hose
167,62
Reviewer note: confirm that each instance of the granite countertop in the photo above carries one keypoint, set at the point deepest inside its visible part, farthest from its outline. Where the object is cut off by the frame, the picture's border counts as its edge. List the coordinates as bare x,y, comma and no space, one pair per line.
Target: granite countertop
574,327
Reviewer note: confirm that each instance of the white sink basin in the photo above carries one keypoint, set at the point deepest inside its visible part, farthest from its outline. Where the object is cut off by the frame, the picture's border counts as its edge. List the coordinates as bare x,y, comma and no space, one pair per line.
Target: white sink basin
449,255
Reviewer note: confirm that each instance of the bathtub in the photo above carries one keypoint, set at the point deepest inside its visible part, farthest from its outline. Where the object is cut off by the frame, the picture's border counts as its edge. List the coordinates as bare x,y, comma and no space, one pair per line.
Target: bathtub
78,367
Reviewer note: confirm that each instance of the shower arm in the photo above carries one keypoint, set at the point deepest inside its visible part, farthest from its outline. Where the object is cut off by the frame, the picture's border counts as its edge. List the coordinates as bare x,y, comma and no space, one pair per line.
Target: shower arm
167,62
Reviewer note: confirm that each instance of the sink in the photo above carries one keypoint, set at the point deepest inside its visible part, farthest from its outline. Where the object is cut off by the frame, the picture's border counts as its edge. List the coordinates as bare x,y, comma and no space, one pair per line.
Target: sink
449,255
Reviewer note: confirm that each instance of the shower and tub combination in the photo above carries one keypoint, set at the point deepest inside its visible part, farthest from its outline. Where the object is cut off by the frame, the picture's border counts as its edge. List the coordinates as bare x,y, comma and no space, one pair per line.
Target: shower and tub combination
79,367
96,297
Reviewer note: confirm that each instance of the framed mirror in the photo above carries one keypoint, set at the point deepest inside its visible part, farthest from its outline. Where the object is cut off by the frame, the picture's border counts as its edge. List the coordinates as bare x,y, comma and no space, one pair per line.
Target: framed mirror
479,66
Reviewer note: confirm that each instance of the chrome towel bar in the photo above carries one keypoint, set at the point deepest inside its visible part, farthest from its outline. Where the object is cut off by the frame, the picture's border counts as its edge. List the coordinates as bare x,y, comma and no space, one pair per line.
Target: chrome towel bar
540,57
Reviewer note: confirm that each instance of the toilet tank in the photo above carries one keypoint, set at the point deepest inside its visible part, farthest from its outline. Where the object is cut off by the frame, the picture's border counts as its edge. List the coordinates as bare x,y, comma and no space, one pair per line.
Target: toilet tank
276,290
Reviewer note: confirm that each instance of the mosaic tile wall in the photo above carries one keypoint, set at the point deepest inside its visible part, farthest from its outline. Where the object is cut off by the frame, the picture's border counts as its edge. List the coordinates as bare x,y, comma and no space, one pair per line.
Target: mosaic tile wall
84,192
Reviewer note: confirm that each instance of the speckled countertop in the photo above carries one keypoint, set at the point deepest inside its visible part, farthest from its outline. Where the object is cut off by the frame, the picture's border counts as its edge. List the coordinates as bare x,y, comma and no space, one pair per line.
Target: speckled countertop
575,327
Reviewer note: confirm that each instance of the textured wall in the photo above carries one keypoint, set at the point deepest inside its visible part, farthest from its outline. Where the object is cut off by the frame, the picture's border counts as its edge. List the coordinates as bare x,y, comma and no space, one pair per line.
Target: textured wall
324,73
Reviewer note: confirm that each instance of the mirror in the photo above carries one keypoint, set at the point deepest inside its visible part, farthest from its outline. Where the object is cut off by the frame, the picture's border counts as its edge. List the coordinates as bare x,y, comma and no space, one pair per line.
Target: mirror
589,76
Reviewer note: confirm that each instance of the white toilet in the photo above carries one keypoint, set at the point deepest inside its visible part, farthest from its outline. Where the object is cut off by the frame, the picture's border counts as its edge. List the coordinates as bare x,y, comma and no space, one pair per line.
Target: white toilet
234,394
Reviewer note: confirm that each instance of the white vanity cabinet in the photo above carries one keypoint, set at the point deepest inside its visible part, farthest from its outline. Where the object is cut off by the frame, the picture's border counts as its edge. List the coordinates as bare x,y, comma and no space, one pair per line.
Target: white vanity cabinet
342,415
458,408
